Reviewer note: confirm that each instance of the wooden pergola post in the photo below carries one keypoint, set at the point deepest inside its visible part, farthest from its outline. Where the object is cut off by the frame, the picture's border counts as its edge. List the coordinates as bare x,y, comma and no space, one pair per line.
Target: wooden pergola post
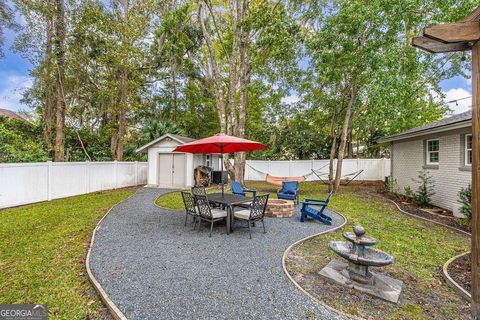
462,36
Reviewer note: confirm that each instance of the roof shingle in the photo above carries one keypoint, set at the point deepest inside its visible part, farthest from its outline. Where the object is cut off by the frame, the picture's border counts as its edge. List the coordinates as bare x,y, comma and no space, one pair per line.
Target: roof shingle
458,118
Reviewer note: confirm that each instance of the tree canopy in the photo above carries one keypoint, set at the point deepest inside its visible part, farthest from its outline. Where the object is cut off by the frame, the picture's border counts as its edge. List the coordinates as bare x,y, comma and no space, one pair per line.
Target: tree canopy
311,80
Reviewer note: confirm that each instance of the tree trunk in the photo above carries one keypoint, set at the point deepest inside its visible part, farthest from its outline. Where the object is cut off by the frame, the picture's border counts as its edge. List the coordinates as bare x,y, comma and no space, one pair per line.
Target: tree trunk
215,73
49,108
343,137
333,149
60,60
244,82
119,135
350,142
173,72
122,115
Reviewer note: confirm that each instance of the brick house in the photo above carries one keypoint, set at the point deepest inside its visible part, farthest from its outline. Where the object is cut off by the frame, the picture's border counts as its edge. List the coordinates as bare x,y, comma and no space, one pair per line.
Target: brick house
444,149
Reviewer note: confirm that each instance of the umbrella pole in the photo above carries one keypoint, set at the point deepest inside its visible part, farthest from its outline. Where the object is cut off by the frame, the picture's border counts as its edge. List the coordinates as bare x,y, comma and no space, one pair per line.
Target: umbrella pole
221,172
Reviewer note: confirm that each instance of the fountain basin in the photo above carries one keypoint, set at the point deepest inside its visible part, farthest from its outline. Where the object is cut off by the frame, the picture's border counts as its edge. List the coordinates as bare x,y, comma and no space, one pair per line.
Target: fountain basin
369,257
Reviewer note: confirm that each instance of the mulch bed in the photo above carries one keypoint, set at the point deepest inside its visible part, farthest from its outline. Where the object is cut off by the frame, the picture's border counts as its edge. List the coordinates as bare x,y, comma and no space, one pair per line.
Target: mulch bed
443,216
460,271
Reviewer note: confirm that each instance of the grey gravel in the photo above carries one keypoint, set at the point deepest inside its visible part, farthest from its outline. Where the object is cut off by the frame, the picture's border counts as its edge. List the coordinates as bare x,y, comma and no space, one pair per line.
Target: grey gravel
152,267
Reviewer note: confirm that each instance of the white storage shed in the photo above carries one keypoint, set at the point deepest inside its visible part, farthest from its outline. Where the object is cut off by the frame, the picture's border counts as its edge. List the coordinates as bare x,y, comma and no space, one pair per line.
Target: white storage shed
168,169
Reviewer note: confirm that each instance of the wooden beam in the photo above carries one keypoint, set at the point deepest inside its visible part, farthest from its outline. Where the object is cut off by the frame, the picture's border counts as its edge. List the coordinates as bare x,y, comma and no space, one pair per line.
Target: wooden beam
454,32
476,181
434,46
472,16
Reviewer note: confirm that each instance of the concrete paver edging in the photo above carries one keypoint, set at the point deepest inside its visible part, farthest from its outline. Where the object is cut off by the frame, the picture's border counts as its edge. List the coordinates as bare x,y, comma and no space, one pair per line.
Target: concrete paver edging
112,308
455,286
289,276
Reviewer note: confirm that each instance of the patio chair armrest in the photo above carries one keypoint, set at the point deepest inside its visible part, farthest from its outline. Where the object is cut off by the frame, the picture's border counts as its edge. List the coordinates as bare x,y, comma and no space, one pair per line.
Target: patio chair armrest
313,201
254,192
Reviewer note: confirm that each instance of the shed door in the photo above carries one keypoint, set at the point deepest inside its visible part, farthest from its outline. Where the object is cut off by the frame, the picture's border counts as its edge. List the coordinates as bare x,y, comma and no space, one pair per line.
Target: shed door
165,163
171,170
178,170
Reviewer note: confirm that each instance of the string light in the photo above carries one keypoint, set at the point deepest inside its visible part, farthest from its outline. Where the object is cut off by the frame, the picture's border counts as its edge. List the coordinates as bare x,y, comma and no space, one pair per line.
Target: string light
456,100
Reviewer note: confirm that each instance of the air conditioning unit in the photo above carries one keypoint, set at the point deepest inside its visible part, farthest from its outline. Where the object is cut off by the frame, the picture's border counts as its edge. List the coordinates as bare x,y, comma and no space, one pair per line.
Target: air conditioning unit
217,177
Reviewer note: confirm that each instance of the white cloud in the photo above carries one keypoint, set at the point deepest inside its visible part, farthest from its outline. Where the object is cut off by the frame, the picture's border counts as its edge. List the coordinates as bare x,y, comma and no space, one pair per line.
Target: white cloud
461,105
12,87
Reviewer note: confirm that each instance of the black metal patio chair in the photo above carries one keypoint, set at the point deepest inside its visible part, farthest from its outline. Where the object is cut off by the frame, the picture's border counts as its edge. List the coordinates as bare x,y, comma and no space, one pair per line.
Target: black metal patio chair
256,212
190,209
207,213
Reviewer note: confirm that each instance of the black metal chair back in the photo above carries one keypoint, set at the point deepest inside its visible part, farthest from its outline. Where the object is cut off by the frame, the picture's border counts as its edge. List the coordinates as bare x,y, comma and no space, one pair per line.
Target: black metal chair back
203,206
259,205
188,203
199,191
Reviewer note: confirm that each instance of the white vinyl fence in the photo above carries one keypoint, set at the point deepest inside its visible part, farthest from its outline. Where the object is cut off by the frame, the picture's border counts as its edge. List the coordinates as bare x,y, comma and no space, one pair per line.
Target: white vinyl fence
23,183
373,169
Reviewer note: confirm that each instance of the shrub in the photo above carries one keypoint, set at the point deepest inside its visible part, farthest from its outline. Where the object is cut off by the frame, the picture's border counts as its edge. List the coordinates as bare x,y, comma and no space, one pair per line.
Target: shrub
391,184
465,198
425,190
408,192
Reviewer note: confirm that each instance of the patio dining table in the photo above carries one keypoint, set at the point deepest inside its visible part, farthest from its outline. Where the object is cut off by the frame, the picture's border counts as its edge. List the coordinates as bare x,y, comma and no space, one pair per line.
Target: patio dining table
228,201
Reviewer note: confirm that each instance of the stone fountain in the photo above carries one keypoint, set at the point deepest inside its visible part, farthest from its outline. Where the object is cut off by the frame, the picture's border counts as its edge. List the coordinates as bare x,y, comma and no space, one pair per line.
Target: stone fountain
355,273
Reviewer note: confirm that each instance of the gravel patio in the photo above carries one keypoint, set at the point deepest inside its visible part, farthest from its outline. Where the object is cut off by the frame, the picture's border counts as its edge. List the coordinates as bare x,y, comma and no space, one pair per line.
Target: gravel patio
152,267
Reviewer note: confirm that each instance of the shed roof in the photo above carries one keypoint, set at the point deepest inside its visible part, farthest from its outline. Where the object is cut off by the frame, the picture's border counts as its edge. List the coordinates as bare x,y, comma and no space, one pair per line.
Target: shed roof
454,122
176,137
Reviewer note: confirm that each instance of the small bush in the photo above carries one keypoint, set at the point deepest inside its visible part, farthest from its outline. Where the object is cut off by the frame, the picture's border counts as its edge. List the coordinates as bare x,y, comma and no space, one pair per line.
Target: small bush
465,196
408,192
391,184
425,190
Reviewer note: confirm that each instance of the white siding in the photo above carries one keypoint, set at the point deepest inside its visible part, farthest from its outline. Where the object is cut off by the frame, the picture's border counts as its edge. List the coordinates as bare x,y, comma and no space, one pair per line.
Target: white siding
408,158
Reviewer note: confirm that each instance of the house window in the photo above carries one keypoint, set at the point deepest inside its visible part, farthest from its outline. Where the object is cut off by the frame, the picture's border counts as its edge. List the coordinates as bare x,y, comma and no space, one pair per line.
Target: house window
433,154
208,160
468,149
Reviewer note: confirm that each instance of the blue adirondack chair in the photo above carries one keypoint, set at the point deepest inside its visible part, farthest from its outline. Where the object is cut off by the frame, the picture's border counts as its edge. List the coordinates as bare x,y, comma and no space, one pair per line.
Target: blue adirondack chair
289,191
316,212
237,189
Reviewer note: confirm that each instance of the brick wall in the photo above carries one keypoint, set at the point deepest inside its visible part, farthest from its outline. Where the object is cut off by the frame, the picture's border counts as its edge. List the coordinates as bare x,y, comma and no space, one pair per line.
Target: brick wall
408,158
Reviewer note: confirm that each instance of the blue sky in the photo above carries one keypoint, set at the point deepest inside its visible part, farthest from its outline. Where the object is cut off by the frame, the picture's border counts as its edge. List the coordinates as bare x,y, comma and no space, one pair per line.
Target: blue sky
15,78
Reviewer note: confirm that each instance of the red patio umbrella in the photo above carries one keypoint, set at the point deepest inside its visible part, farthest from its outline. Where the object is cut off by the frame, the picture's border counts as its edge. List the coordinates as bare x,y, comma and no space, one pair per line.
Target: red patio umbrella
220,143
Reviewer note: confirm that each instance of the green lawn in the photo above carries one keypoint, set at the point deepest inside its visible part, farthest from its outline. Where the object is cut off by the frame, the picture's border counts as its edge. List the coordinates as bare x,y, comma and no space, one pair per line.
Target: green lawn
420,249
43,254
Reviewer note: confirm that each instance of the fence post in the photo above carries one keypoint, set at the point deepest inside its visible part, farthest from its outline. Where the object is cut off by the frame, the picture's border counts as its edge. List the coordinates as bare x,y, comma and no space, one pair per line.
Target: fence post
49,180
115,169
87,176
136,173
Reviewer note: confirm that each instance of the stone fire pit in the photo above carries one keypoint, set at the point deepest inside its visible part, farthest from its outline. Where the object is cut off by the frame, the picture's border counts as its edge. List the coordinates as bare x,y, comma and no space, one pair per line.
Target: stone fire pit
278,208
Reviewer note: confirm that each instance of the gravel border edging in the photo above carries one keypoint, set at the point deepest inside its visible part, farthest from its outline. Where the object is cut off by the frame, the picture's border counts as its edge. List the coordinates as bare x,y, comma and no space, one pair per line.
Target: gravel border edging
455,286
289,276
112,308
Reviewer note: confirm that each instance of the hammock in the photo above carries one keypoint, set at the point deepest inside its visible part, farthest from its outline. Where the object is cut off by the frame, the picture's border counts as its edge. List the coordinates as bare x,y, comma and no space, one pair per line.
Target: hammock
278,180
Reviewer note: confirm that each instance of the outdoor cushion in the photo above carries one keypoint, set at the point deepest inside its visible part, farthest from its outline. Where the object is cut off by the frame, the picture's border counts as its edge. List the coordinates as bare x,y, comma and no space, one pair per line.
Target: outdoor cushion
290,187
283,195
242,214
217,213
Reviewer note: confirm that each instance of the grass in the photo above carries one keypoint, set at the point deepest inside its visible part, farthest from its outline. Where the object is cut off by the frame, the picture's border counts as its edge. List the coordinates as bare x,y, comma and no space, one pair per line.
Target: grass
420,249
43,254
